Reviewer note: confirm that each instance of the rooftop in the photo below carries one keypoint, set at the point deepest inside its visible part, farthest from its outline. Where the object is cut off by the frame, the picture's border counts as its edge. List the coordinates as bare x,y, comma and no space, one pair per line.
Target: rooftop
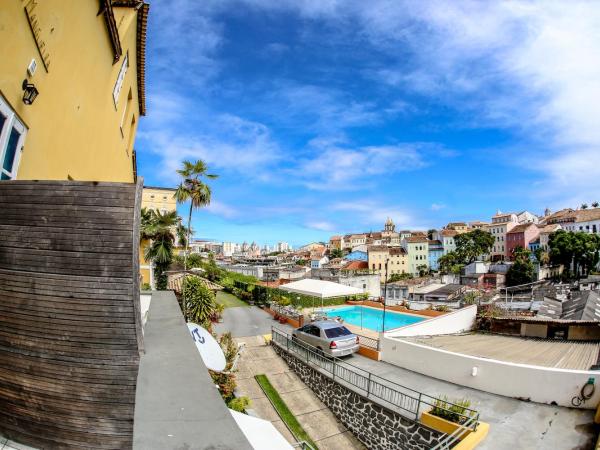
537,352
416,239
521,228
449,233
356,265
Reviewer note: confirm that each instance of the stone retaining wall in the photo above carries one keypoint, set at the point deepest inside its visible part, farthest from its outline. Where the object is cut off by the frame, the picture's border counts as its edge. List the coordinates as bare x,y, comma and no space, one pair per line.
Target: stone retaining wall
377,427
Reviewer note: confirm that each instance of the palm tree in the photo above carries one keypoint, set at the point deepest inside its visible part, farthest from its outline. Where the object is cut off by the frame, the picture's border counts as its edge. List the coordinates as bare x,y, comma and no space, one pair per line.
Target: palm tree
182,234
158,227
194,189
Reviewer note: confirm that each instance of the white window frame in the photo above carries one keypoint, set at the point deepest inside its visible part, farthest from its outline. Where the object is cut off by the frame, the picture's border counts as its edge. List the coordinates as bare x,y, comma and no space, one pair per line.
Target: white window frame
120,79
12,121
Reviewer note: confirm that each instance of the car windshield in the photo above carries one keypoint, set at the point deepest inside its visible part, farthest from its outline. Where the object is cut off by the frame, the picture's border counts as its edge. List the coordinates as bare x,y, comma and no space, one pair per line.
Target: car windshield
337,332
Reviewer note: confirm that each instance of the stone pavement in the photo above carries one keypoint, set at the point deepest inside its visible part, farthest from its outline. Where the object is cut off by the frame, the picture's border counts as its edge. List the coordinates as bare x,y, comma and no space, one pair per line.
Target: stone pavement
320,423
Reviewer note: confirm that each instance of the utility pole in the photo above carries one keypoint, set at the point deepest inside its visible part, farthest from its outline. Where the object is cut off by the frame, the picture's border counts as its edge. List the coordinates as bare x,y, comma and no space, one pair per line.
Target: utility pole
385,293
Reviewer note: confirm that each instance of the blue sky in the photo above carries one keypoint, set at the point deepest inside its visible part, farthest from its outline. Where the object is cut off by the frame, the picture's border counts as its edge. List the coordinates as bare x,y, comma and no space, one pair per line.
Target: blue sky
326,116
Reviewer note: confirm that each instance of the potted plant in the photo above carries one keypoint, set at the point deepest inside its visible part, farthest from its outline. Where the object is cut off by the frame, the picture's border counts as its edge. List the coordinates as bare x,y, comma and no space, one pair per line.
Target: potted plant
446,416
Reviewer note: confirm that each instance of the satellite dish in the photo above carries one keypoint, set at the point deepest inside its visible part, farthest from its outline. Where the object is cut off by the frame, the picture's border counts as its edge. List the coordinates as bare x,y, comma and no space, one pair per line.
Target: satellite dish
208,347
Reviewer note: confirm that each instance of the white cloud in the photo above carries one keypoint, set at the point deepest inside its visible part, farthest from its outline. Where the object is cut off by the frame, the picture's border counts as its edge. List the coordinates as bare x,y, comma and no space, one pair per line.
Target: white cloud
317,108
371,213
321,225
221,209
336,167
437,206
530,66
231,143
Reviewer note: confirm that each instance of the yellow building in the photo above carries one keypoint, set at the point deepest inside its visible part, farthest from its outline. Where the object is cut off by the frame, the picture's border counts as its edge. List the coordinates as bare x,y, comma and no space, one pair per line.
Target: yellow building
395,256
417,248
460,227
85,60
161,199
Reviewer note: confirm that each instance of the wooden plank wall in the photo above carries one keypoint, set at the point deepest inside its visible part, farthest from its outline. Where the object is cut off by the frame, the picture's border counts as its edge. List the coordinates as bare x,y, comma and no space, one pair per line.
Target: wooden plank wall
70,331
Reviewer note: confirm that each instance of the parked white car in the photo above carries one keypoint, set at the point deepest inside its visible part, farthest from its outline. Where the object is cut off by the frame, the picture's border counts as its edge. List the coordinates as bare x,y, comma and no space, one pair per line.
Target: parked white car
329,337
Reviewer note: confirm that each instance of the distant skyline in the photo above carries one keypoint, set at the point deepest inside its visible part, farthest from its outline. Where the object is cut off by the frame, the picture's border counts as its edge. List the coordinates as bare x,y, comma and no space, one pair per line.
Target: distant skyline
325,117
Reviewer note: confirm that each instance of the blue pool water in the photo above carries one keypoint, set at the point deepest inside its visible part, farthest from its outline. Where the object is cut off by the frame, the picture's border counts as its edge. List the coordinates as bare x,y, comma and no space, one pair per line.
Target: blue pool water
372,318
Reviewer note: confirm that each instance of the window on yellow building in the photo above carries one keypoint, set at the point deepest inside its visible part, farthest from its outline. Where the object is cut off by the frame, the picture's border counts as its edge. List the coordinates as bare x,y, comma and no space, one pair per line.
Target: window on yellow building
12,138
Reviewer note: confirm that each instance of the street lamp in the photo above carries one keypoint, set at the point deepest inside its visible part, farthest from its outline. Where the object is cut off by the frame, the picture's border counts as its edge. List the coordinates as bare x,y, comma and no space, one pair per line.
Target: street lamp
385,293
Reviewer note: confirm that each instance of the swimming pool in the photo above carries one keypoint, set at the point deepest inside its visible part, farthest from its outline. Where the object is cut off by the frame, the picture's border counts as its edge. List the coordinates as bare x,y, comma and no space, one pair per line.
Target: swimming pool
372,318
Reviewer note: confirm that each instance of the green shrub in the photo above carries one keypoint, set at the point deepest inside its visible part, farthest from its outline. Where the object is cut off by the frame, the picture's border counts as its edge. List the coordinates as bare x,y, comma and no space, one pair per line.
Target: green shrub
471,298
146,287
455,411
284,301
239,404
442,308
230,349
200,301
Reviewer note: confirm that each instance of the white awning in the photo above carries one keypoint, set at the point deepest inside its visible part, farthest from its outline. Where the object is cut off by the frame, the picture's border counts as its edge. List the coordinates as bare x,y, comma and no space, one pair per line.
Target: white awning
261,433
320,289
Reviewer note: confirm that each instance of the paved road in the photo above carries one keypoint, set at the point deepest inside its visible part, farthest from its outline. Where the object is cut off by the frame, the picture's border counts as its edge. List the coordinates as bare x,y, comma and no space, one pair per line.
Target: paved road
245,321
514,424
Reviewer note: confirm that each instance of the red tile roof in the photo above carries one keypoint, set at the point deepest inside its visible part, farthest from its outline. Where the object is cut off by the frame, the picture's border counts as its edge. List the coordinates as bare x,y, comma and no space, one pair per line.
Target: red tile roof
356,265
521,228
416,239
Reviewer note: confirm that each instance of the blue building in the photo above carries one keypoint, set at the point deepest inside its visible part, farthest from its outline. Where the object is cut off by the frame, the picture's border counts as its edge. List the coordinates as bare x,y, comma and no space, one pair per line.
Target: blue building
357,256
534,245
436,249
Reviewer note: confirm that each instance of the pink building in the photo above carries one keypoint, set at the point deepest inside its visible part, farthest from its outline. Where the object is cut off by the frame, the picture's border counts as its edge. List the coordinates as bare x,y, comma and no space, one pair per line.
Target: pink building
520,236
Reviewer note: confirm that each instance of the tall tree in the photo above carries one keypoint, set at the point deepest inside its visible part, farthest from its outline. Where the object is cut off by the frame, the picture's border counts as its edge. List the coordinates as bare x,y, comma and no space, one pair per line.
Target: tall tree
521,271
336,253
451,262
158,228
469,246
579,251
182,234
193,189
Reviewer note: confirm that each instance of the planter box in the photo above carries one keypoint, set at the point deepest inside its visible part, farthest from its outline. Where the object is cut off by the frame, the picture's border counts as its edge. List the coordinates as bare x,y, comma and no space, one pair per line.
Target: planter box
443,425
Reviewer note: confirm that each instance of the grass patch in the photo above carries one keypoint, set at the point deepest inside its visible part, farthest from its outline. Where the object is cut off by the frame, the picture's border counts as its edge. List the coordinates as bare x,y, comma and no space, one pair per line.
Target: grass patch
229,300
283,411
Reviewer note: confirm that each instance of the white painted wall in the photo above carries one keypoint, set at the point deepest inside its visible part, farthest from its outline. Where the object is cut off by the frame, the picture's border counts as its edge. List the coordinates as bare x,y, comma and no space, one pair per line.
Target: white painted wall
453,322
539,384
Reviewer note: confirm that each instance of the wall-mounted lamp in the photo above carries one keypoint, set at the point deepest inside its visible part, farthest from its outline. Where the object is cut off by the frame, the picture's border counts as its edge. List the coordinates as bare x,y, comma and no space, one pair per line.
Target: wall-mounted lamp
30,92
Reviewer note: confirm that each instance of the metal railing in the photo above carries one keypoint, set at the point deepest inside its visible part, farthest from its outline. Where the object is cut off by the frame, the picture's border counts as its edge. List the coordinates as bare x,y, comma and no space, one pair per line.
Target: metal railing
369,342
404,400
449,440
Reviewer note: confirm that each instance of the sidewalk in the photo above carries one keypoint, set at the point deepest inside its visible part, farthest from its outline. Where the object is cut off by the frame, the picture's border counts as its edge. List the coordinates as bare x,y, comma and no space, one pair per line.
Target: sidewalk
320,423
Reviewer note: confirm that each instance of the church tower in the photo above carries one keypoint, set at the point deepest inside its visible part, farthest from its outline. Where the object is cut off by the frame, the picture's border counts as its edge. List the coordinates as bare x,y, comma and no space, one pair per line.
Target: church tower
389,225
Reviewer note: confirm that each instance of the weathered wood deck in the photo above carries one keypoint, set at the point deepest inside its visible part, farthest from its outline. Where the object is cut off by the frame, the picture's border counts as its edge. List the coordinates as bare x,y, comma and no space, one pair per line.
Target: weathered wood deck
70,328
